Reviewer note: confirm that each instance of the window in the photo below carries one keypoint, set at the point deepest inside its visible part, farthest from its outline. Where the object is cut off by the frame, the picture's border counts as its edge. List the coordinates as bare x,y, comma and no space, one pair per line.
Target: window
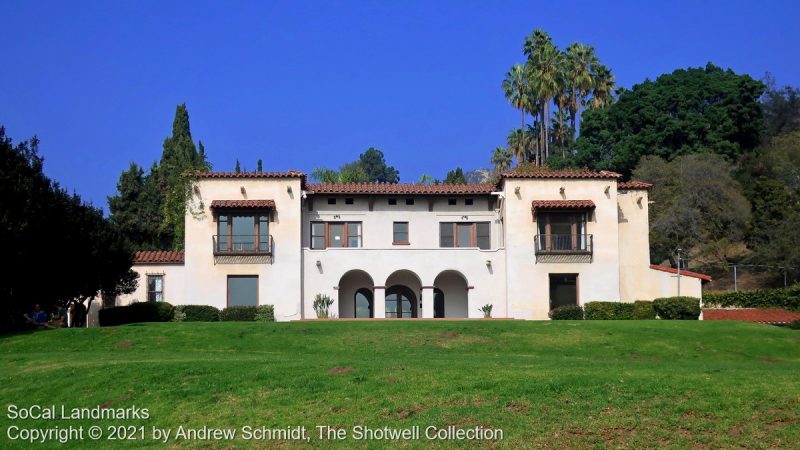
392,201
243,233
348,201
563,290
468,201
562,231
465,234
400,302
363,303
400,233
335,234
155,288
409,201
331,201
242,290
451,201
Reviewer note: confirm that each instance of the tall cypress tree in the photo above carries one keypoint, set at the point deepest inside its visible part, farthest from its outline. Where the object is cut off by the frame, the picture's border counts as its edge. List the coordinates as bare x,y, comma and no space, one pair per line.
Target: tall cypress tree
153,206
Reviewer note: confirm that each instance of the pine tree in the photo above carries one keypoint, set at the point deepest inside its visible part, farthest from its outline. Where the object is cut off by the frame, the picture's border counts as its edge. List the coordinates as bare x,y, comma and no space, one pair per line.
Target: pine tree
260,166
238,167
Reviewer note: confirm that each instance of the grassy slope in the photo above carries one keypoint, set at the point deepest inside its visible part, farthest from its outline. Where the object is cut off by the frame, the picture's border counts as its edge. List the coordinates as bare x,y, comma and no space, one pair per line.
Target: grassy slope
547,384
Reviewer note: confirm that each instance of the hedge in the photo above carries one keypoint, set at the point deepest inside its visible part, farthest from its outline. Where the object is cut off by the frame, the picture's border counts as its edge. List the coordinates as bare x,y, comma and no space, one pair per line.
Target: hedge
795,324
787,298
265,313
677,308
238,314
135,313
200,313
643,310
608,311
569,312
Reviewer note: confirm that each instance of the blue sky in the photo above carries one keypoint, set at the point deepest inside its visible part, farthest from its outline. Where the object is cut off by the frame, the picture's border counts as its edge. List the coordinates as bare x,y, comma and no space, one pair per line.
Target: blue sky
307,84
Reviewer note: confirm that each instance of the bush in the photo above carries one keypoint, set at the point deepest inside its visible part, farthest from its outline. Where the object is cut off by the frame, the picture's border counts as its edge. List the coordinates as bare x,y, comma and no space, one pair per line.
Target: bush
787,298
795,324
677,308
201,313
643,310
608,311
569,312
136,313
238,314
178,314
265,313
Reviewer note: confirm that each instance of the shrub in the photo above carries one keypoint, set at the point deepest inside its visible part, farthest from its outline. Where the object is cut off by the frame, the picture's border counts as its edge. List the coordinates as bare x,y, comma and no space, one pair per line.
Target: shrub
795,324
569,312
201,313
137,312
787,298
322,304
608,311
265,313
487,311
238,314
643,310
677,308
179,315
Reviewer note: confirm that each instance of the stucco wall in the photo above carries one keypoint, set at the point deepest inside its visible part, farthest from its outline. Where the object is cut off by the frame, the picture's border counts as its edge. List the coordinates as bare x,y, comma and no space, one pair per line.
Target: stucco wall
279,281
174,284
528,281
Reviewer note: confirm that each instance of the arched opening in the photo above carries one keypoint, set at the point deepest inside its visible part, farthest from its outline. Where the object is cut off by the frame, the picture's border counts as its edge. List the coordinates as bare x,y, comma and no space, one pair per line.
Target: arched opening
438,303
401,303
364,306
403,289
453,299
356,295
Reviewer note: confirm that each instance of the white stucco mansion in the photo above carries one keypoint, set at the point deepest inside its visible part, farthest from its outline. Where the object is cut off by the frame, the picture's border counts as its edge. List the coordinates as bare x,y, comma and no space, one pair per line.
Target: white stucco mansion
536,240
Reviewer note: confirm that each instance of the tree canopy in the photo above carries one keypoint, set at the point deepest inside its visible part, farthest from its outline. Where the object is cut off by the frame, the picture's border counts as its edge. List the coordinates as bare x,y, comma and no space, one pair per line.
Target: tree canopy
83,252
150,207
698,110
455,177
370,167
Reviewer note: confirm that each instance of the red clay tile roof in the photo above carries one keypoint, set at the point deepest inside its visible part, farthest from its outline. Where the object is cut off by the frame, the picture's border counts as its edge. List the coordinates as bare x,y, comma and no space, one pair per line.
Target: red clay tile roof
287,174
633,185
762,315
158,257
242,204
563,204
684,273
402,188
544,172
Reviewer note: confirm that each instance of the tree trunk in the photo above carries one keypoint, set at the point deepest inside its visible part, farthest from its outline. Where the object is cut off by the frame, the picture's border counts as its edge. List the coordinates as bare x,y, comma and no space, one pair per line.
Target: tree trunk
546,130
522,136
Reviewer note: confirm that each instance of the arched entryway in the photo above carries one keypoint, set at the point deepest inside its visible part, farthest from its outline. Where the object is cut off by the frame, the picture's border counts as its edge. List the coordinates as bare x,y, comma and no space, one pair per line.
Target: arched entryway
403,289
450,295
356,295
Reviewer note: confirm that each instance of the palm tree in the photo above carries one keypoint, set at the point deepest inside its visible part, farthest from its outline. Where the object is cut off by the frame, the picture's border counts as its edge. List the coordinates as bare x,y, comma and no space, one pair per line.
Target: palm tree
603,86
560,131
544,60
516,144
580,60
517,91
502,159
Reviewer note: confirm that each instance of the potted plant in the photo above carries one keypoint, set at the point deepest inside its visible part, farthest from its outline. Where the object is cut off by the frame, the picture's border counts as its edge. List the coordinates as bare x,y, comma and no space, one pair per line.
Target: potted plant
487,311
322,304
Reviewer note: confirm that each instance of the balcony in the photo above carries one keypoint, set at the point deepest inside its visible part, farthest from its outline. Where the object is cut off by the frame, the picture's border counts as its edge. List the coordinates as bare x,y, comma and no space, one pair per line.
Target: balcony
242,245
564,247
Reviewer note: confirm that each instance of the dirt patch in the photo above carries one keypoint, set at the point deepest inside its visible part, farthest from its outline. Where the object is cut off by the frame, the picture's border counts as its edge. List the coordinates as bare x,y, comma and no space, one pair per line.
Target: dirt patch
340,370
126,344
448,335
769,360
517,407
405,413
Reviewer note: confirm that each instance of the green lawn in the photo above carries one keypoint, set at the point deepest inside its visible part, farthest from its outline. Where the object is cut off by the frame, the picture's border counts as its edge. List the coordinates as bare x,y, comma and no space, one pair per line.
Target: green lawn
545,384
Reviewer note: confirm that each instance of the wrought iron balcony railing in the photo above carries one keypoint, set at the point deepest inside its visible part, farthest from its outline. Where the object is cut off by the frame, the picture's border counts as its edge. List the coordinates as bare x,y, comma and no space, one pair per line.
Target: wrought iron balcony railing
242,244
564,244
